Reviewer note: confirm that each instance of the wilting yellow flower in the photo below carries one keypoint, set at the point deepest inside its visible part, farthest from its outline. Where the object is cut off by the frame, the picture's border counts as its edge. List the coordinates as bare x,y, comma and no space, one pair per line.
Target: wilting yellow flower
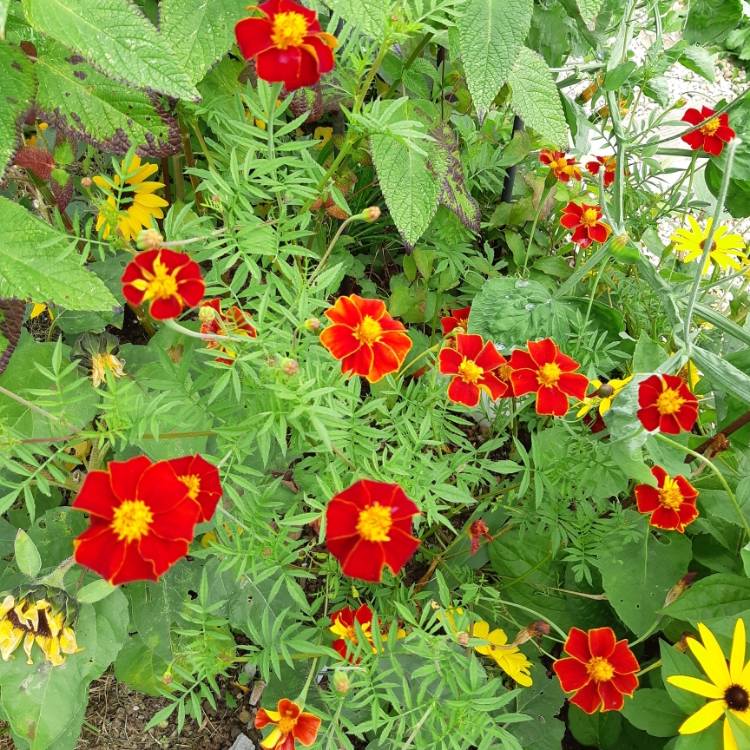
131,203
508,657
728,685
101,363
603,395
35,621
38,308
727,250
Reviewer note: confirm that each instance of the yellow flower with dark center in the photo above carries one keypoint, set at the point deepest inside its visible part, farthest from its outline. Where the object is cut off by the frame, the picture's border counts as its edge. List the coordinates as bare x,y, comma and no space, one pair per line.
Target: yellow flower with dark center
131,202
727,687
603,395
727,250
35,621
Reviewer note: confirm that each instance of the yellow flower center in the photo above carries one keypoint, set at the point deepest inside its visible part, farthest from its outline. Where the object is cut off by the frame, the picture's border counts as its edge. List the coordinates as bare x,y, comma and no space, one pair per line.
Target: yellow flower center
670,495
549,374
160,284
368,331
375,522
599,669
289,30
589,217
193,483
287,723
132,520
669,401
711,126
469,371
504,372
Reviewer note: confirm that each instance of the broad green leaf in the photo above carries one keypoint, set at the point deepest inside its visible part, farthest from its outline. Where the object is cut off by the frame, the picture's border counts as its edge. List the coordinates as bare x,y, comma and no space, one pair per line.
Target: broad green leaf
200,31
95,591
89,106
27,555
37,262
140,667
699,60
116,37
722,374
535,98
409,189
491,34
654,712
364,15
719,596
590,10
542,702
709,21
16,92
600,730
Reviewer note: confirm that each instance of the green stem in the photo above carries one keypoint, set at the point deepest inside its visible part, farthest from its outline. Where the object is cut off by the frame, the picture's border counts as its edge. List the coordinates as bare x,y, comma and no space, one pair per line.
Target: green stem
423,42
332,244
303,694
649,668
542,200
416,359
569,285
359,99
175,326
557,629
38,409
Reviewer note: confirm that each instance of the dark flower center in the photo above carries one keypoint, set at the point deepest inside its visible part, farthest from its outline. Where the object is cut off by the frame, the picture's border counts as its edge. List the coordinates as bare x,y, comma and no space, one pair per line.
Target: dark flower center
737,698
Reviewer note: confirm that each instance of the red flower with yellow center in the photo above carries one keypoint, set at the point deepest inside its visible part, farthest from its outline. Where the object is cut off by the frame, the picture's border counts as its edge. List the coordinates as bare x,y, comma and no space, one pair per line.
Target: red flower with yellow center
169,281
291,724
599,670
342,625
712,136
608,163
287,44
563,167
369,527
234,322
457,319
142,520
666,404
584,220
202,481
472,363
671,503
367,340
544,369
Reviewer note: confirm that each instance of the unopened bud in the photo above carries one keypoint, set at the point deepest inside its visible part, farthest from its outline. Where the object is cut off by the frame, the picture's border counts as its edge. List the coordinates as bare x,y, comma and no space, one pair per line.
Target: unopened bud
462,638
679,588
149,239
167,678
206,314
341,682
86,182
372,213
290,367
312,325
620,241
537,629
681,102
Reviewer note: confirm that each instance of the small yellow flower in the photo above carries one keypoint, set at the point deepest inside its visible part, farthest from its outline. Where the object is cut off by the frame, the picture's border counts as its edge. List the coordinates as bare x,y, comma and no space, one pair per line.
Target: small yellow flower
39,308
603,395
727,250
131,202
102,362
508,657
728,685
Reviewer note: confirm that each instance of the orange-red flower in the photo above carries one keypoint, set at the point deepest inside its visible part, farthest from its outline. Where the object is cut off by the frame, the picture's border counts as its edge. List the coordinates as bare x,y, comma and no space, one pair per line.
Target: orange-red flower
291,724
599,670
369,527
666,404
457,319
472,364
584,220
232,322
202,481
671,504
287,44
713,135
544,369
367,340
169,281
342,625
563,167
142,520
477,531
608,163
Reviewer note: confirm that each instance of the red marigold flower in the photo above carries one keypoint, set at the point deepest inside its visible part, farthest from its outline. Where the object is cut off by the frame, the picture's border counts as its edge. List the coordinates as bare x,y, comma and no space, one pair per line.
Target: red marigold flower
367,340
286,43
600,670
477,531
610,168
369,526
472,363
563,167
202,481
549,372
713,135
234,322
671,504
292,724
169,281
142,520
342,625
457,319
583,219
666,404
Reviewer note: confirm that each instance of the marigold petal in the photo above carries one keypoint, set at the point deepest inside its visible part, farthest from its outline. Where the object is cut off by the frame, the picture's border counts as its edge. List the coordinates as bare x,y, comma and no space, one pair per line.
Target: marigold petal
494,386
384,362
358,363
602,642
551,401
449,361
400,549
306,728
99,549
612,699
599,232
542,351
162,553
253,36
125,475
134,567
572,674
398,342
570,221
587,698
461,392
490,358
469,345
649,417
344,312
96,496
573,384
365,561
577,645
339,340
703,718
524,381
623,659
625,683
647,498
665,518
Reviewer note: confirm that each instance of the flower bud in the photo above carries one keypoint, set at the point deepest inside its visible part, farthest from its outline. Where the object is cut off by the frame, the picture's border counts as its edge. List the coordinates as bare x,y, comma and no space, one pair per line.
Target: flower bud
341,682
312,325
620,241
167,678
86,182
537,629
290,367
371,214
679,588
462,638
206,314
149,239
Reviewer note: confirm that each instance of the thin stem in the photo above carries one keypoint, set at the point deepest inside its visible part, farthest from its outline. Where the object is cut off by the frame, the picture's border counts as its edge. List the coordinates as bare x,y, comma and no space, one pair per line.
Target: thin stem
175,326
332,244
542,200
38,409
649,668
557,629
423,42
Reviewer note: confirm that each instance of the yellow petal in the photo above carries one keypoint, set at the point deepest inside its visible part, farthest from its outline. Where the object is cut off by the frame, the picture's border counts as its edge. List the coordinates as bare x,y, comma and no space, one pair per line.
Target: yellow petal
694,685
8,604
142,174
702,718
150,200
737,657
28,643
710,657
729,742
272,739
743,716
148,187
102,182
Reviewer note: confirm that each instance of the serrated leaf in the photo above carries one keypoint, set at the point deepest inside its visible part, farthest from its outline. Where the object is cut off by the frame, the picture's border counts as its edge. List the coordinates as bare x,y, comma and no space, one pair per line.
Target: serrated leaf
410,191
36,263
116,37
16,94
88,106
535,98
490,37
200,31
27,555
590,10
366,16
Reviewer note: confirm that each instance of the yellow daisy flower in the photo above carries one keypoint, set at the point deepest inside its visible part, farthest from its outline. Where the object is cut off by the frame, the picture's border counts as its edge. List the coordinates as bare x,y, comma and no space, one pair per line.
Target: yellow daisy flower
603,395
508,657
728,685
131,203
727,250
